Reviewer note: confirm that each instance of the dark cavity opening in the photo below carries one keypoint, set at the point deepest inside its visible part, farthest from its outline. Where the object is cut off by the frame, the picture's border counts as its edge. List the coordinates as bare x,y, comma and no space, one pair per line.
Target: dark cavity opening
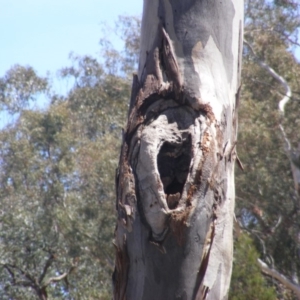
173,163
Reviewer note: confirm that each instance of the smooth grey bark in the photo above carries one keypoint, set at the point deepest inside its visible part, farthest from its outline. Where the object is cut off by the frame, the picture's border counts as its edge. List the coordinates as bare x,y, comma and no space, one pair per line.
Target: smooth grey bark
175,181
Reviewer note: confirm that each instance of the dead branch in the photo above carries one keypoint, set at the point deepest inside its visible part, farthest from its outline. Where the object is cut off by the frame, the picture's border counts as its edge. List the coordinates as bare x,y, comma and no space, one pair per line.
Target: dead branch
281,278
275,75
46,267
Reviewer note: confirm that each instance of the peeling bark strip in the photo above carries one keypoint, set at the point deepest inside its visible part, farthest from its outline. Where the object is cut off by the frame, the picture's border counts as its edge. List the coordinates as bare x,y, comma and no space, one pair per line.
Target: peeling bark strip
175,181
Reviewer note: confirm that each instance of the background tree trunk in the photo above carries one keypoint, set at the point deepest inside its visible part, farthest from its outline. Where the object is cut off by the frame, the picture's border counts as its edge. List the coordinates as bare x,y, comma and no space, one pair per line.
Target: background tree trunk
175,181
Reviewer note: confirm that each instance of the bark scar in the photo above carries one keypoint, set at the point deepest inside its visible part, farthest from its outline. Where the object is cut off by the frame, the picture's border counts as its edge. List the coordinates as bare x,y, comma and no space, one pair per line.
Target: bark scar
171,65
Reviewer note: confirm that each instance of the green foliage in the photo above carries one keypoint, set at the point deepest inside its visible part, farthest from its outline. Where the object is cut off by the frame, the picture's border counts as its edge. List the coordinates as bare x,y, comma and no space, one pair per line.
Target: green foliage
57,183
19,86
247,280
267,205
57,175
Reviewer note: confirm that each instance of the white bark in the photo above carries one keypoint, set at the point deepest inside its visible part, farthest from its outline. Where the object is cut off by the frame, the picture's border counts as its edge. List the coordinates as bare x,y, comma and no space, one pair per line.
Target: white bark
281,278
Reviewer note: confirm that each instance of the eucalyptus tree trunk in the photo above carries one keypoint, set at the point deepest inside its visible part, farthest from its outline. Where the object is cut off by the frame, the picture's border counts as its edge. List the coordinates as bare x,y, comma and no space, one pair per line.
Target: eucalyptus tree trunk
175,181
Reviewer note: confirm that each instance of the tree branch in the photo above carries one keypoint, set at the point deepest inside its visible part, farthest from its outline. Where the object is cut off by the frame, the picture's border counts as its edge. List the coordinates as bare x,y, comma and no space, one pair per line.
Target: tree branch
58,278
275,75
55,279
11,273
46,267
25,274
282,279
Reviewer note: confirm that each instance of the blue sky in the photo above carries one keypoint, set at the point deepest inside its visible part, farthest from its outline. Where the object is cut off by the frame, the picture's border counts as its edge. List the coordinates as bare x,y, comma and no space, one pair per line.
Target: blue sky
42,33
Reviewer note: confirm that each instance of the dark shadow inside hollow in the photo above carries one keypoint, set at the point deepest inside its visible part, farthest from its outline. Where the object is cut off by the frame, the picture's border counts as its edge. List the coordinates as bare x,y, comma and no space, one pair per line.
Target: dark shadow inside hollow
173,163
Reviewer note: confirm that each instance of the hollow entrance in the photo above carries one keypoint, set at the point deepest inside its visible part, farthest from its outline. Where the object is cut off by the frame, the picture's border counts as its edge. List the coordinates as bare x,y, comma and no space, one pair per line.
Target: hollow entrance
173,163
